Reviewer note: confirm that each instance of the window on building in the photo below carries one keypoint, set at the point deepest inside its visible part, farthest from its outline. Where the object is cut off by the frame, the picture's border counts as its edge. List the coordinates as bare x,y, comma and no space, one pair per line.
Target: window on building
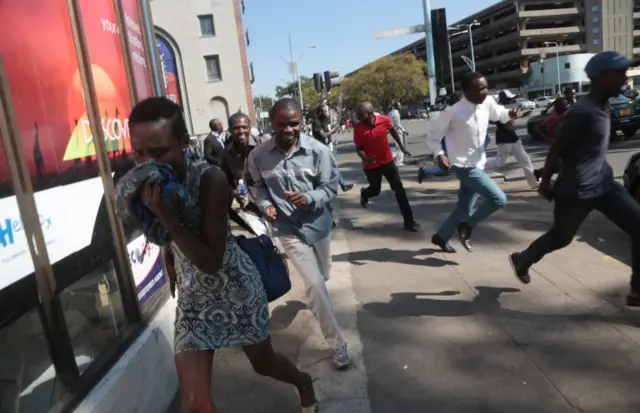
595,30
542,70
207,28
246,34
213,68
596,41
595,8
567,65
596,19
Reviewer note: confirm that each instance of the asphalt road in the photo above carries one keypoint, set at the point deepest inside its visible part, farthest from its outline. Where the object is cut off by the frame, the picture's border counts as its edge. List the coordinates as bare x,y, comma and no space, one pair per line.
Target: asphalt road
617,156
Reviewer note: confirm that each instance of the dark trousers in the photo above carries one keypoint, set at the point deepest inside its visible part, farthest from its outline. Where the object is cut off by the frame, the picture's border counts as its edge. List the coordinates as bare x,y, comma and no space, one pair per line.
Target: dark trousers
391,174
616,204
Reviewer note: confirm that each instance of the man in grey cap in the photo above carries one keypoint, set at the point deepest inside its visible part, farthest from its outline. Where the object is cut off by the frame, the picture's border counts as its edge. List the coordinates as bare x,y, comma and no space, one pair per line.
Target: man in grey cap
585,181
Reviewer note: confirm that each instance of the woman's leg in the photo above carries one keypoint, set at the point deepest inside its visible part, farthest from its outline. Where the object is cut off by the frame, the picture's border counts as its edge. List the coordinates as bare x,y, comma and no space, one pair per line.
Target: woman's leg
194,376
267,362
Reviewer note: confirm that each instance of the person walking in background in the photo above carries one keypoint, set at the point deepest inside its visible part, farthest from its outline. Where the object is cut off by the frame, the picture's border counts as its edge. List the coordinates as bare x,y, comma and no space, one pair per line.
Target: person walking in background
586,180
371,138
323,133
464,126
549,128
221,300
394,115
509,143
213,147
294,180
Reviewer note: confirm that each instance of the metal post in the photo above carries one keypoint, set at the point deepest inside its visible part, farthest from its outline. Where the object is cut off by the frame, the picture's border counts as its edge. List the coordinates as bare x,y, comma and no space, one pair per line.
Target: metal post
453,82
431,67
558,64
261,118
473,55
295,73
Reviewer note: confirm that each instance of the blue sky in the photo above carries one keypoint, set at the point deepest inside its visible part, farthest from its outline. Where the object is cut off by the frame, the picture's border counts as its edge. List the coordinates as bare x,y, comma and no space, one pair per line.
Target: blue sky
342,30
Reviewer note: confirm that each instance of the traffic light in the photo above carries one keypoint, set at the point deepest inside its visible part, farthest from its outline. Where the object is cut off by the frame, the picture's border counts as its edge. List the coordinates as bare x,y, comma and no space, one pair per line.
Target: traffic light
328,75
317,82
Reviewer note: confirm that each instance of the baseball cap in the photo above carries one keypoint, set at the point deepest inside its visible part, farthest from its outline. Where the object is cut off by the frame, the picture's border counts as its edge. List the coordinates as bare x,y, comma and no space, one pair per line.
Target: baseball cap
607,61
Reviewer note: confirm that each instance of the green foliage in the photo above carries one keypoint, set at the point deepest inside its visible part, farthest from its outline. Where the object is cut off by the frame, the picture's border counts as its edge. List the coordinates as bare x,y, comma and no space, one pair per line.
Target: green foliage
264,103
389,79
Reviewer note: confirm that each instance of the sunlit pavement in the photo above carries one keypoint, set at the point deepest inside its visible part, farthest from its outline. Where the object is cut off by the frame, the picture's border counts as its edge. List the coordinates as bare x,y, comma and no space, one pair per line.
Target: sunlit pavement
458,333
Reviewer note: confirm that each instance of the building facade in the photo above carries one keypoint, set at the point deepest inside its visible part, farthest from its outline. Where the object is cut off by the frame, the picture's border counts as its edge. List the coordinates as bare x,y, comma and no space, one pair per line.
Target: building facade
548,76
205,46
512,34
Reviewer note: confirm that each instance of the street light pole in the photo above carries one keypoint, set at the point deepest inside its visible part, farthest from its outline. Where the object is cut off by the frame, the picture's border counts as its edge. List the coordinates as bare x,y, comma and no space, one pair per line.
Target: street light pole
469,27
453,81
431,66
557,44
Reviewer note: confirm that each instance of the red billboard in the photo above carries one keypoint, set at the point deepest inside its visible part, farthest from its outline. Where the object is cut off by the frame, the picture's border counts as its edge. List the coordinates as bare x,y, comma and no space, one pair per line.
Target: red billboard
46,88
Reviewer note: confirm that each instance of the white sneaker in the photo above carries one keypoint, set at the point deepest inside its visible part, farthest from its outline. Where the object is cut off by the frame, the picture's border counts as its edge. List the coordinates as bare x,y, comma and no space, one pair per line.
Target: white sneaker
341,358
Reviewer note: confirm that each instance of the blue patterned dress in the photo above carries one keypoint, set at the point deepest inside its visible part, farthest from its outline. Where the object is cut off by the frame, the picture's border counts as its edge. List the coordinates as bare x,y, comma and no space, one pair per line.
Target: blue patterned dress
222,310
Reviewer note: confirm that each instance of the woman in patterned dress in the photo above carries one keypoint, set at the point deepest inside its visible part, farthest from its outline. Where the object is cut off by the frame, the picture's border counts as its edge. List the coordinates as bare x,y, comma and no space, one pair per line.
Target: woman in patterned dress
221,300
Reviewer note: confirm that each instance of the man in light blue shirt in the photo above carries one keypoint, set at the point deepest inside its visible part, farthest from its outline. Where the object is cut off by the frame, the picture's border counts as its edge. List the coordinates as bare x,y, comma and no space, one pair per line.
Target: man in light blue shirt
294,179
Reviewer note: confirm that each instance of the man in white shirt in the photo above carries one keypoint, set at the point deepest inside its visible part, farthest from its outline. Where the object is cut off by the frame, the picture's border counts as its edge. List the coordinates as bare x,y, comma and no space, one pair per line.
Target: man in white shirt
464,126
394,115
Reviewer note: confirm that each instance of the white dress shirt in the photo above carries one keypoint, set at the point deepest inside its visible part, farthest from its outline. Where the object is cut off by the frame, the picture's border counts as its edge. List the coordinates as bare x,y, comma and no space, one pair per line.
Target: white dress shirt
394,115
464,127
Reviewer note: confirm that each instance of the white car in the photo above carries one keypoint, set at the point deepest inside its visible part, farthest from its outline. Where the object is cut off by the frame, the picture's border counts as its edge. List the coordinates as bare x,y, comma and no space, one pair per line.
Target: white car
521,103
543,101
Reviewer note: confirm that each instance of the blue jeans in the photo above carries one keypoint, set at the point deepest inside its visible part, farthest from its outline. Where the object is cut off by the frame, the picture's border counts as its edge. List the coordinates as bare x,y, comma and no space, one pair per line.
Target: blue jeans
473,183
569,213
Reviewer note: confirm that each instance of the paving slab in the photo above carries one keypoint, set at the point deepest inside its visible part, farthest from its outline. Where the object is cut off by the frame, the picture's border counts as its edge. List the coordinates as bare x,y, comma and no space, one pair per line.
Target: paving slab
459,333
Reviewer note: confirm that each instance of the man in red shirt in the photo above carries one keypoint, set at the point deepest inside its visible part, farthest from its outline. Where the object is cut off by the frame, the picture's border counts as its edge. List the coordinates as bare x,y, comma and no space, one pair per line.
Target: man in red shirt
370,137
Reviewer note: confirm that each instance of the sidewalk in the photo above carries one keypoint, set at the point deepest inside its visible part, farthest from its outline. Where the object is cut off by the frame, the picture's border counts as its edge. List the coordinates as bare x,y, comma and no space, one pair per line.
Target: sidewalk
296,334
458,333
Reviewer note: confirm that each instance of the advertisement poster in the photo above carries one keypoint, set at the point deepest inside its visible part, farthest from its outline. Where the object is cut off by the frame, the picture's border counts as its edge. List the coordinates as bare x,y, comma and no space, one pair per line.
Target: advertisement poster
136,47
169,69
46,89
147,268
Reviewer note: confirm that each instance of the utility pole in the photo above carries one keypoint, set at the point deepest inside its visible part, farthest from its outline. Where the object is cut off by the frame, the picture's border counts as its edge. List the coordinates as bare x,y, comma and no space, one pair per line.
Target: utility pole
431,66
425,28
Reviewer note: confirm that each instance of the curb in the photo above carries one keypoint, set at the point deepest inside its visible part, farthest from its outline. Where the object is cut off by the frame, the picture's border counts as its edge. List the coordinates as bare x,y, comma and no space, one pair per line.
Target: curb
344,391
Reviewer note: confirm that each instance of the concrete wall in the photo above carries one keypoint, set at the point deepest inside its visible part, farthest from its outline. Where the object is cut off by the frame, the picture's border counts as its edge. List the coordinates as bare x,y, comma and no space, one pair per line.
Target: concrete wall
178,20
144,380
617,26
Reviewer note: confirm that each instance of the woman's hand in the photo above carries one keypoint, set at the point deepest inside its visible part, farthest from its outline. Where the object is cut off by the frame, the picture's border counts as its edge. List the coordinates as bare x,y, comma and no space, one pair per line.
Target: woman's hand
152,199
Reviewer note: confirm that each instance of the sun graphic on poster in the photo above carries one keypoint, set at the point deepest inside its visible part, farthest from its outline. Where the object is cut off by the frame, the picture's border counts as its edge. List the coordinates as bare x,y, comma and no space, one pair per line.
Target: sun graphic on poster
113,123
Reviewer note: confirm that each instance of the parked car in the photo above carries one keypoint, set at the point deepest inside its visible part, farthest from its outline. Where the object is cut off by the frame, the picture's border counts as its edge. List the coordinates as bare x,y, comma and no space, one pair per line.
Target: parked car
625,117
631,176
521,103
543,101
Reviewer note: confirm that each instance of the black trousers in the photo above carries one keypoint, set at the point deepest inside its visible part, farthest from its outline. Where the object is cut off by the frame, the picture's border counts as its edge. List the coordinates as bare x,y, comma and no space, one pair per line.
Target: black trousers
568,214
392,175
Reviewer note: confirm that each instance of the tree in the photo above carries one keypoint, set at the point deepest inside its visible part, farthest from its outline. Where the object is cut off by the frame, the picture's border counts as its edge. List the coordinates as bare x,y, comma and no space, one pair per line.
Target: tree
390,79
262,102
310,97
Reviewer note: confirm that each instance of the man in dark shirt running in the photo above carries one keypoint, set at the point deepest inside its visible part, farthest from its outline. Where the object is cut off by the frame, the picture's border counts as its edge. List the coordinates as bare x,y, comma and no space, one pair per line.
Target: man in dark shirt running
323,133
585,181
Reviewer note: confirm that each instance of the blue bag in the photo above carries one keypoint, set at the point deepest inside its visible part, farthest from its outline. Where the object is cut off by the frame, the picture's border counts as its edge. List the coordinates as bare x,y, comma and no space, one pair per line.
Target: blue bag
272,266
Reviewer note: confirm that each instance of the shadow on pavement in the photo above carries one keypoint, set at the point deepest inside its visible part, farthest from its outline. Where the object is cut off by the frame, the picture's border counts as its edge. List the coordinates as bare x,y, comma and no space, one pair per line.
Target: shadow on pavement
399,256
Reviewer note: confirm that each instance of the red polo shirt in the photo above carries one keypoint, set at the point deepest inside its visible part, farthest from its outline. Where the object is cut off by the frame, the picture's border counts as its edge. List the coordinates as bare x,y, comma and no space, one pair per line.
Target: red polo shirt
374,141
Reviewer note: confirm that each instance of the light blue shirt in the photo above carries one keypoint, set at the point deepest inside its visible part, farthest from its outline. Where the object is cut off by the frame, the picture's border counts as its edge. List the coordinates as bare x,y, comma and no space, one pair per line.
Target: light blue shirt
310,169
